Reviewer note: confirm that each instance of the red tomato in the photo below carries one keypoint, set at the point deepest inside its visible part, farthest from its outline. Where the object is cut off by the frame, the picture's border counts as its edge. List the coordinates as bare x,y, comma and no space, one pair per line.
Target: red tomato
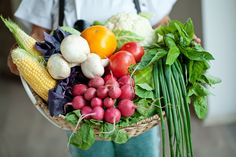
135,49
120,62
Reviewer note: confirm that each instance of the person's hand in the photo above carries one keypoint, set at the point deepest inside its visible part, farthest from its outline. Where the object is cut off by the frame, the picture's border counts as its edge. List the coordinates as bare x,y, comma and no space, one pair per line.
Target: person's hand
11,65
197,40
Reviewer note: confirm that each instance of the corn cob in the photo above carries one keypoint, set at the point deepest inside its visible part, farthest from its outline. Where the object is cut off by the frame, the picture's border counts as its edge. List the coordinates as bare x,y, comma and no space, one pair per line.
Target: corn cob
24,41
34,72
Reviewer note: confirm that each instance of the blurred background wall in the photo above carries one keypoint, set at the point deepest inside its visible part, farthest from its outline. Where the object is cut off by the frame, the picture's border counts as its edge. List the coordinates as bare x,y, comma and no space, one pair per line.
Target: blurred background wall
24,132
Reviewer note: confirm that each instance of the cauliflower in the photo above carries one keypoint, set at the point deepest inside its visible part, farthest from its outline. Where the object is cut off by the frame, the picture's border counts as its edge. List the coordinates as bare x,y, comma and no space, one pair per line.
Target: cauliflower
134,23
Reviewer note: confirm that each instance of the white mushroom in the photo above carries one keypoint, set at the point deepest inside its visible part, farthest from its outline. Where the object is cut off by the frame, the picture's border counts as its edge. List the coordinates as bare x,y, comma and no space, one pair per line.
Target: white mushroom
75,49
58,67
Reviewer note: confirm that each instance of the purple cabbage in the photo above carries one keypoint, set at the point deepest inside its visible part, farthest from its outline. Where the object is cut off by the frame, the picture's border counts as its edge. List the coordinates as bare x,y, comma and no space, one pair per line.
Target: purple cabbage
51,43
62,93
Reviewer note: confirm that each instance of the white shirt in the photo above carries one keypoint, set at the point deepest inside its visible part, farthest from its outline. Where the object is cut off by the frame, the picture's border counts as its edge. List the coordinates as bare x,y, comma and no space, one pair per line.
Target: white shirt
44,13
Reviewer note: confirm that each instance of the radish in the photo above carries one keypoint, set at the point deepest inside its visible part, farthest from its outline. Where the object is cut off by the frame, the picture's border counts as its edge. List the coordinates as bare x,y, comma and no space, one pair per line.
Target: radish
78,102
108,102
86,110
112,115
79,89
96,82
96,102
98,113
127,92
112,83
108,77
126,79
126,107
114,92
90,93
102,92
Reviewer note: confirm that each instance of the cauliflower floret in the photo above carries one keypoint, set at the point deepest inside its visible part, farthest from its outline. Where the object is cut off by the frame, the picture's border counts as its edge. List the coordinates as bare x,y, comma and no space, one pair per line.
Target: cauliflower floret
134,23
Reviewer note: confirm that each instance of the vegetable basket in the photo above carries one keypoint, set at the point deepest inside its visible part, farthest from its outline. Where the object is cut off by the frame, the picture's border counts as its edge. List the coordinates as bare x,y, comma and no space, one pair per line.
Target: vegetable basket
59,121
142,78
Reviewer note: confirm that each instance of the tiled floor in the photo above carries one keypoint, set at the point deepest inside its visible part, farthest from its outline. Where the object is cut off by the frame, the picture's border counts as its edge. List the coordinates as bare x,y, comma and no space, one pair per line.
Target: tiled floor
25,133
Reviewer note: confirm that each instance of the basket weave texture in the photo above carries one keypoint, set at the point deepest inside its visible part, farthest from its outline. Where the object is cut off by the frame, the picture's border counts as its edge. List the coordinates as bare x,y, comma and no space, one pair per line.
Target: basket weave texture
132,130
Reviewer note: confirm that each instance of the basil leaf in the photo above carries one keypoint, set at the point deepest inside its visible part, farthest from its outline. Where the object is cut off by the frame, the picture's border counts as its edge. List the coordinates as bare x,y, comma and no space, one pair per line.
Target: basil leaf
84,138
173,52
210,80
198,90
189,28
192,54
196,70
184,39
151,56
123,36
200,107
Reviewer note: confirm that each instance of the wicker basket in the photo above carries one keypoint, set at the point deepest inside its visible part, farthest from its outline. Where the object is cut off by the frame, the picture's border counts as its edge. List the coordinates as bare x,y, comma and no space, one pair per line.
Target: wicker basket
132,130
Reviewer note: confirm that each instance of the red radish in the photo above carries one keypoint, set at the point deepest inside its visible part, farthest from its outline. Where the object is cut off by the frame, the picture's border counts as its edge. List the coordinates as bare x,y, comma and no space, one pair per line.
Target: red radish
135,49
86,110
127,92
90,93
98,113
112,115
78,102
108,102
79,89
126,79
111,83
108,77
96,102
114,92
102,92
96,82
126,107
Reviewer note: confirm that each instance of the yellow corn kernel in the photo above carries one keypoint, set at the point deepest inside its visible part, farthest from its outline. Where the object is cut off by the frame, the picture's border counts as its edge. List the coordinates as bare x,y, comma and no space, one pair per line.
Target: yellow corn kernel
34,72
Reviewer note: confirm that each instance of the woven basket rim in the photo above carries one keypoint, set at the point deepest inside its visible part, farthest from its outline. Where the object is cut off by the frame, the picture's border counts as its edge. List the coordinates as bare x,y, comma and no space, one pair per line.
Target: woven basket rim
59,121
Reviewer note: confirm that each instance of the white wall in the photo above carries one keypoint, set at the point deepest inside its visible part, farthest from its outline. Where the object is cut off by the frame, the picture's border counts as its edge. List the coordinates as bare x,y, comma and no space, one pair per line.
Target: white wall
219,34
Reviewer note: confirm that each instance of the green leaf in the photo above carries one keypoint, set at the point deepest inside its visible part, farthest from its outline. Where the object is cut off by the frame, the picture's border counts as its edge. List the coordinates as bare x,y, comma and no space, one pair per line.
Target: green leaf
145,86
106,127
70,30
210,80
95,122
71,118
193,54
173,52
189,28
144,76
151,56
84,138
196,70
77,113
146,107
98,23
185,40
142,93
198,90
120,136
200,107
123,36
